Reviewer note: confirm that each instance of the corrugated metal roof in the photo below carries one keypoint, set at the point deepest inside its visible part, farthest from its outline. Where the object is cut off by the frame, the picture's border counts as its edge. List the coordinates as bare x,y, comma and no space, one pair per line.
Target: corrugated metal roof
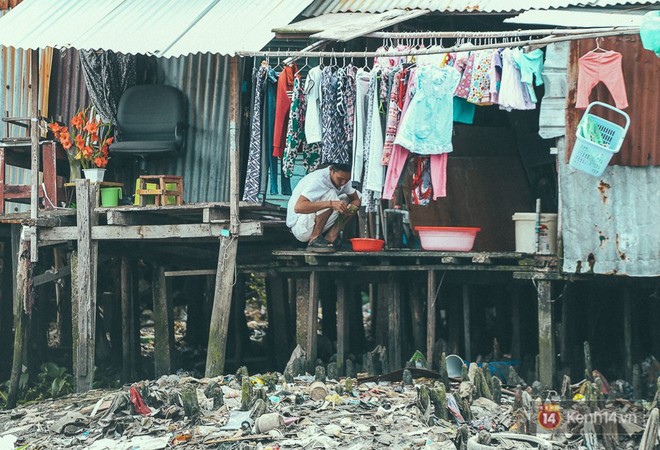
578,18
164,28
457,6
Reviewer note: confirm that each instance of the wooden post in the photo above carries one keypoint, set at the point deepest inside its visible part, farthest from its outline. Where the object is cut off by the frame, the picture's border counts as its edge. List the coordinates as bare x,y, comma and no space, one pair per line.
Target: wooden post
430,318
19,245
129,372
240,333
85,295
163,323
515,321
302,306
546,328
312,319
34,140
395,335
466,321
627,332
342,325
217,347
278,318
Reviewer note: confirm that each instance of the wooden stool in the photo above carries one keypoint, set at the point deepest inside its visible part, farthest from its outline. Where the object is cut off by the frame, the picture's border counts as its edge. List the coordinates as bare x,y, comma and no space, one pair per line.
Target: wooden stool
161,193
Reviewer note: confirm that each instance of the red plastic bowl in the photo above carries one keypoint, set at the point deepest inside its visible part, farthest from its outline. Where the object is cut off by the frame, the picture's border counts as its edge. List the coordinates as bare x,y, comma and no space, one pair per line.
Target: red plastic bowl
367,245
450,239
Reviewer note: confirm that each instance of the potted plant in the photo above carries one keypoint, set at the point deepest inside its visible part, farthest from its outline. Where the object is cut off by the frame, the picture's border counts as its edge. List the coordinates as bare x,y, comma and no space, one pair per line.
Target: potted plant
86,142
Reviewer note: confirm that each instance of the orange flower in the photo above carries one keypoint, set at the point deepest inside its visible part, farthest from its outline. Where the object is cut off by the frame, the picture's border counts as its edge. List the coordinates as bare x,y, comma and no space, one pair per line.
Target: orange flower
109,141
100,161
94,137
91,127
87,152
80,141
78,120
66,143
55,128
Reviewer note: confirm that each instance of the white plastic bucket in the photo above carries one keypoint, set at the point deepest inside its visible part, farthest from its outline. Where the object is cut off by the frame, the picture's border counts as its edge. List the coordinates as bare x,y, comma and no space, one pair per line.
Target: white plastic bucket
454,366
526,236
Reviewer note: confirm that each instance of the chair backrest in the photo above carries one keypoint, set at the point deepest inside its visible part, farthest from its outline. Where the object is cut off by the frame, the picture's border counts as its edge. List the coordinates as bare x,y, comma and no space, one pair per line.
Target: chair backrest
151,112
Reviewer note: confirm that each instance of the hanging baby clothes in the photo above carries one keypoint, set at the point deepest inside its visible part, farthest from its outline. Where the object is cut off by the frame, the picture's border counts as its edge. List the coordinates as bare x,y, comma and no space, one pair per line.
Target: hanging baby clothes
346,99
295,139
513,95
605,67
464,64
362,80
313,127
495,76
479,92
252,177
428,124
335,148
531,65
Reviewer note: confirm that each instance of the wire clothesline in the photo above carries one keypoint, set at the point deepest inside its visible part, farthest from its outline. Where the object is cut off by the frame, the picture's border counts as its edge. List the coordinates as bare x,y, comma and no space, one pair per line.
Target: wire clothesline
549,39
485,34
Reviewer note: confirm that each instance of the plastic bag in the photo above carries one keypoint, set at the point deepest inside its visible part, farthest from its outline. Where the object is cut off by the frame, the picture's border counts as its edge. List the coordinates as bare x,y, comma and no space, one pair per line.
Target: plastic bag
650,32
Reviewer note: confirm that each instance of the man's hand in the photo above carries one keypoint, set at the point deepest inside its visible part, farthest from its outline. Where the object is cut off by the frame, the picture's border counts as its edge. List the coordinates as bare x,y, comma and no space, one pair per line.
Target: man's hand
339,206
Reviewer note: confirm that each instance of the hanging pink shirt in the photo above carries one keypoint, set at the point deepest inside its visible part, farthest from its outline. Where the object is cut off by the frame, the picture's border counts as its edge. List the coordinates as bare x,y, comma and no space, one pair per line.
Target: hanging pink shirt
605,67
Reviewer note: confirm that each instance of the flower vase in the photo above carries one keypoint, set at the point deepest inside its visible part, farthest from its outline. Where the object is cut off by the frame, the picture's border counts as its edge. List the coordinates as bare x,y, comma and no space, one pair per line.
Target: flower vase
94,175
75,169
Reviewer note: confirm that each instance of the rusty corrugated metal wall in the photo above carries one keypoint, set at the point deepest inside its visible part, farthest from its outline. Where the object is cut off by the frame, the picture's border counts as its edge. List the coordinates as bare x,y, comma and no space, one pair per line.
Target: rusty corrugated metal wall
68,92
641,72
609,224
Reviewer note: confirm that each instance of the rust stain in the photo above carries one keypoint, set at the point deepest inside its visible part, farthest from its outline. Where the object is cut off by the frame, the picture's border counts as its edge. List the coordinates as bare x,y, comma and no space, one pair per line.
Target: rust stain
602,188
602,239
591,260
578,267
622,255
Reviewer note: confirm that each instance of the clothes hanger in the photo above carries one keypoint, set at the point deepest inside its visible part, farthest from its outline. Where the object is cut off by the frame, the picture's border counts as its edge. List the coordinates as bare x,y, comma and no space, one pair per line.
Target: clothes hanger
598,47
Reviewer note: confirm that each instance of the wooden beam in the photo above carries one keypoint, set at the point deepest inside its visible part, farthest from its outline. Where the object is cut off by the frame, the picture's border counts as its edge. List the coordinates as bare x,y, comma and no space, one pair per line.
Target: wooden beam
546,339
85,294
190,273
52,275
224,281
34,139
430,318
19,245
466,321
312,319
234,145
139,232
163,324
395,335
343,330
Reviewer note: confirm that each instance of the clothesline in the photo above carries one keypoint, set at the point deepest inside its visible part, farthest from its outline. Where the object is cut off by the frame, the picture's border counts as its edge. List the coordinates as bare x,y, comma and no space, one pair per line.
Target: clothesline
483,34
438,49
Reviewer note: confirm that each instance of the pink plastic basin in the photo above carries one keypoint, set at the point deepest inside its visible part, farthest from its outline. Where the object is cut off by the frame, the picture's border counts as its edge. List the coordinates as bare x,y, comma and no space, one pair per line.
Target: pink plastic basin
367,245
450,239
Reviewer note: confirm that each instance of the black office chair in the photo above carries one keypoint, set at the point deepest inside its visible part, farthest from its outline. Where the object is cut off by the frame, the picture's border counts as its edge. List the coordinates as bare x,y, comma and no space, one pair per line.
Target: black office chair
151,122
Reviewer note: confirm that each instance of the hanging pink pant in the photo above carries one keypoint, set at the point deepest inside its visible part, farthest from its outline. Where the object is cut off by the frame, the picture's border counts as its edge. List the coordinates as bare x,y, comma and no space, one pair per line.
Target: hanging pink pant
398,162
605,67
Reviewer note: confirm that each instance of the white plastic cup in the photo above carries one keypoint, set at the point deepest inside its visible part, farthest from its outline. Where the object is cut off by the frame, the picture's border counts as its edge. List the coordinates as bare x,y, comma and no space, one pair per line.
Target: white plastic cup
454,366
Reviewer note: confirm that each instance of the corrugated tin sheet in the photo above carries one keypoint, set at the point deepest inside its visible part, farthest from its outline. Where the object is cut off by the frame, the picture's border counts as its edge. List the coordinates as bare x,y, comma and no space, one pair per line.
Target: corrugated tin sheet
14,101
165,27
610,223
641,72
457,6
204,79
6,4
68,92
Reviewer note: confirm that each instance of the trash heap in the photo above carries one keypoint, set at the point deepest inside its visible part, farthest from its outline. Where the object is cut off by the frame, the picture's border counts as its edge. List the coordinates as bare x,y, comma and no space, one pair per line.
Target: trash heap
413,408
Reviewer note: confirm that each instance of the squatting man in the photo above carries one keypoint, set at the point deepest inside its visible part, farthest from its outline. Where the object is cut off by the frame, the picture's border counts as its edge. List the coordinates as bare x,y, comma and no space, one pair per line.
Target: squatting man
316,204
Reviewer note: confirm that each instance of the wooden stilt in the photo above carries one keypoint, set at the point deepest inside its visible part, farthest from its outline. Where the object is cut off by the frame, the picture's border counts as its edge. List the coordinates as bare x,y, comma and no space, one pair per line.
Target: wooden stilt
466,321
312,319
224,281
278,318
217,346
546,340
627,332
395,335
241,333
413,292
342,325
128,320
430,318
20,245
163,323
34,141
302,307
85,295
515,321
564,329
